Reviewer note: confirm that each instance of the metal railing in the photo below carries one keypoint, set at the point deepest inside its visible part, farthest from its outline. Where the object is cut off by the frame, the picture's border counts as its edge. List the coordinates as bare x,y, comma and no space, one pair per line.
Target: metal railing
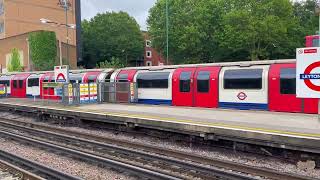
117,92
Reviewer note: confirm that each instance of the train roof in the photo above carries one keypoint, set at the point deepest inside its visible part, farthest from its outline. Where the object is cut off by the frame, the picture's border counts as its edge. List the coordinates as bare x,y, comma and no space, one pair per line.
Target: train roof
44,72
222,64
154,68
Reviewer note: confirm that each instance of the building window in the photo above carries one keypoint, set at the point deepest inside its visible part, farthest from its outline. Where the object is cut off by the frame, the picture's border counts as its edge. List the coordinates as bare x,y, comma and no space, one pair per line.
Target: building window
148,43
243,79
149,63
149,54
288,81
1,27
185,81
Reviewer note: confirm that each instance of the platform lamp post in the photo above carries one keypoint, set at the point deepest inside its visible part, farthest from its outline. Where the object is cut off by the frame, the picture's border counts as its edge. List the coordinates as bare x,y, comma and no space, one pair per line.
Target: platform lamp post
66,5
71,26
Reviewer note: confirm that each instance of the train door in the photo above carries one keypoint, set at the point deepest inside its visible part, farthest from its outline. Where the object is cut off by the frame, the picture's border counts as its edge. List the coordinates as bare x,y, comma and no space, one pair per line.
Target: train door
183,87
206,87
19,88
282,89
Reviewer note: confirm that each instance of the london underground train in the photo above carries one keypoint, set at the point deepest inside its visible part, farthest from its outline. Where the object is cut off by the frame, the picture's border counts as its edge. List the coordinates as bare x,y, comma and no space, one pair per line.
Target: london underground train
260,85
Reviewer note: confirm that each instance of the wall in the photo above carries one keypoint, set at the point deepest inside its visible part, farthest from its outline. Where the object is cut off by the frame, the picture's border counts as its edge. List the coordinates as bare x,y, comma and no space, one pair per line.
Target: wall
20,42
23,16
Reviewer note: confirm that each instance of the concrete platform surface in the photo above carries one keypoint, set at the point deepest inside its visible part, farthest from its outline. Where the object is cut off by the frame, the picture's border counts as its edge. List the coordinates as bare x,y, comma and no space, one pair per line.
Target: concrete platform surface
284,130
306,125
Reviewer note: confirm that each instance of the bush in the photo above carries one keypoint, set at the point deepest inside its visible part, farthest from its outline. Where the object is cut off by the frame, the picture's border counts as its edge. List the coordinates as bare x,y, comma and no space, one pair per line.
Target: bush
43,49
14,64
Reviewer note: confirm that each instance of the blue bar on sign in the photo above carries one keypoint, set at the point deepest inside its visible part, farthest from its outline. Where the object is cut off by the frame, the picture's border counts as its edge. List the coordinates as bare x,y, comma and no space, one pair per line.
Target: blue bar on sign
309,76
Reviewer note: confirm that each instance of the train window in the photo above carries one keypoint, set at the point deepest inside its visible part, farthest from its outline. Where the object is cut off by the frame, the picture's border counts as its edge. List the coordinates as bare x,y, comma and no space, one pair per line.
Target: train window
243,79
185,81
288,81
20,84
153,80
203,81
5,82
15,84
33,82
92,78
46,79
122,78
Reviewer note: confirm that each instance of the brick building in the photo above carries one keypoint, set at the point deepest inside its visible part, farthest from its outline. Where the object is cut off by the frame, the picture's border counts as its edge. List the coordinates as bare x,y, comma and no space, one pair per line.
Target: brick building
151,56
19,17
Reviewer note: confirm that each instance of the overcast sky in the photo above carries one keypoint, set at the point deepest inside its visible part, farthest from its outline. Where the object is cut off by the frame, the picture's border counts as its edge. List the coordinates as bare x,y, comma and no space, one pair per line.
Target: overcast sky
137,8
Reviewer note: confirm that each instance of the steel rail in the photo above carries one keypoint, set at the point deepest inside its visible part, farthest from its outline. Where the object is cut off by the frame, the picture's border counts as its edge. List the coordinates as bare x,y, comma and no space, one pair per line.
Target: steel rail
135,170
263,172
214,172
39,171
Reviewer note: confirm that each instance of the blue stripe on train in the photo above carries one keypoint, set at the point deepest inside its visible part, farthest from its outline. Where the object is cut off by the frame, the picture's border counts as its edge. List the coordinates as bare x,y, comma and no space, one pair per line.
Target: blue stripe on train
243,106
155,101
30,96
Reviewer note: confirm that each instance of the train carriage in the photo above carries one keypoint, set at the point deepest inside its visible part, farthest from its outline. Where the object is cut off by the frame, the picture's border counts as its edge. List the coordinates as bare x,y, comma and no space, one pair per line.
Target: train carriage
282,91
18,85
91,77
196,87
33,85
5,80
244,87
47,92
154,87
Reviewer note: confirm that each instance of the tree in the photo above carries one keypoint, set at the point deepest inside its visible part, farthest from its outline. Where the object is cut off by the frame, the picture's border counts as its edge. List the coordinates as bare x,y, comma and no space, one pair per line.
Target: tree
230,30
113,63
14,64
257,27
43,50
110,35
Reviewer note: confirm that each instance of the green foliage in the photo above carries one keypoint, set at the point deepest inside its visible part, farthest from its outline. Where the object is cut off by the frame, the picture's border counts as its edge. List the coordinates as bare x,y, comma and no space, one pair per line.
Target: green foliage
110,35
43,49
113,63
15,61
232,30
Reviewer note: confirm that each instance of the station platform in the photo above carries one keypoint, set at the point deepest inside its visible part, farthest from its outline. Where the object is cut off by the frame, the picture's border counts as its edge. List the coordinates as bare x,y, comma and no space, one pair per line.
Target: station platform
284,130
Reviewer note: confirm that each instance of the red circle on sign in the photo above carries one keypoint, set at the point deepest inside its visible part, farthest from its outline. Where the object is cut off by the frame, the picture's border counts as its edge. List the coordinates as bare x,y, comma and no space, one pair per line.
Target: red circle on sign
308,81
242,96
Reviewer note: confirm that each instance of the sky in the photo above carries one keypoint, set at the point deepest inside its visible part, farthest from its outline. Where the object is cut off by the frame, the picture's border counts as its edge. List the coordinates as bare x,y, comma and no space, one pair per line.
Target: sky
139,9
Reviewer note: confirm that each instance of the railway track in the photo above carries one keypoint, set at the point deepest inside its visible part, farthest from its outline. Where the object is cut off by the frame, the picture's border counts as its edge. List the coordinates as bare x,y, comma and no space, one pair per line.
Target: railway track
25,169
173,164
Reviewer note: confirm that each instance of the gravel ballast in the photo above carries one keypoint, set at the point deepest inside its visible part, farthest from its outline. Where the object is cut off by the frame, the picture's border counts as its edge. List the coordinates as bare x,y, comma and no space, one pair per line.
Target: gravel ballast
243,158
65,164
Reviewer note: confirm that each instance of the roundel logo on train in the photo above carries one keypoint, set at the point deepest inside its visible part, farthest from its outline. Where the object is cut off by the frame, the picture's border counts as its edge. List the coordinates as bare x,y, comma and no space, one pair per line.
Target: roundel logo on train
308,73
242,96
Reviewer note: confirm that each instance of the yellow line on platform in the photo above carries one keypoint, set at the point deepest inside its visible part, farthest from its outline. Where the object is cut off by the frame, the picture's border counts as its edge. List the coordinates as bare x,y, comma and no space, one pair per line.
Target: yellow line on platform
185,121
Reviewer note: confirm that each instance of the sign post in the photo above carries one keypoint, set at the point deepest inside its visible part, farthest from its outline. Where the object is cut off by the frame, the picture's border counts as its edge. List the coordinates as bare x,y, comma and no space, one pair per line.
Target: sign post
61,74
308,74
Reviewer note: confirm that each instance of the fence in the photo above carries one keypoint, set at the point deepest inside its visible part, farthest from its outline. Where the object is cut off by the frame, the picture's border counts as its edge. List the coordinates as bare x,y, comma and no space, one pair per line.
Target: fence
117,92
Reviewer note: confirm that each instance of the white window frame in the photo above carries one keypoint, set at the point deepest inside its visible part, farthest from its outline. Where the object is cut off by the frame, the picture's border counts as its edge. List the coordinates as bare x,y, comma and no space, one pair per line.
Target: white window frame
149,52
149,63
148,43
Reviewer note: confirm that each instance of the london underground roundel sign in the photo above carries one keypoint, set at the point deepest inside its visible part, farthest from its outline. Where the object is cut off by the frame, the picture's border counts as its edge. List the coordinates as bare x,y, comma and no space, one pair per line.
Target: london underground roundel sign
308,73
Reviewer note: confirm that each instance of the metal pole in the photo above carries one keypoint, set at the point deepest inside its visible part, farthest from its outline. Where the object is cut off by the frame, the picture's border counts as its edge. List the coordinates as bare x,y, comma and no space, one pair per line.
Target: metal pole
66,9
60,51
167,29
